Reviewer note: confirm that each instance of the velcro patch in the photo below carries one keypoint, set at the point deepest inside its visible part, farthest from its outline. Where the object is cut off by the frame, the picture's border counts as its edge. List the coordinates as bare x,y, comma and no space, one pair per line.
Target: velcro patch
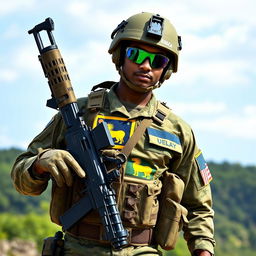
164,139
139,168
121,129
203,168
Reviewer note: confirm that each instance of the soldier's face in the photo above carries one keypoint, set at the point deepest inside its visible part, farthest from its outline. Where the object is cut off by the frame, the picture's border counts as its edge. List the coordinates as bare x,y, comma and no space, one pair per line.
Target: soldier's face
142,75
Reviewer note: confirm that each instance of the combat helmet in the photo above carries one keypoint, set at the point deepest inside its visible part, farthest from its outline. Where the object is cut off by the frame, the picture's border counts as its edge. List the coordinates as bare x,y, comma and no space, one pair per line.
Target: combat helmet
151,29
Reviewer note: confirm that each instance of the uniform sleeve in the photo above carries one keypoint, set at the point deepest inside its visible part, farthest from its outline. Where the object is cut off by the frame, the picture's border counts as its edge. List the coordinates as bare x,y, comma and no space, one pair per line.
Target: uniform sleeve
197,198
50,137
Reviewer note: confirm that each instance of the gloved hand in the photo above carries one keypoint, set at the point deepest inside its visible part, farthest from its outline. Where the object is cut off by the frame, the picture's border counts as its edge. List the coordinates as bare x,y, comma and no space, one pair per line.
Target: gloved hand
60,164
115,154
113,158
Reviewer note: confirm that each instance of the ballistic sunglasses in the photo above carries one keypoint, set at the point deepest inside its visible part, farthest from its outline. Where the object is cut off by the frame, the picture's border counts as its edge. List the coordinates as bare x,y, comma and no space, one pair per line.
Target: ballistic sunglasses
138,56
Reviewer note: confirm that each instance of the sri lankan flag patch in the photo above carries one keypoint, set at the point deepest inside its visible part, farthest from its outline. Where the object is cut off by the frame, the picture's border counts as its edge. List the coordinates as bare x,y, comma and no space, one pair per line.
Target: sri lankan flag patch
121,129
203,168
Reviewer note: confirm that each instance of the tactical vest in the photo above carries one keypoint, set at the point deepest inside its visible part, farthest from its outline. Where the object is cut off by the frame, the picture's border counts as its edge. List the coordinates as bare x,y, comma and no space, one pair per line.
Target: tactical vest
136,198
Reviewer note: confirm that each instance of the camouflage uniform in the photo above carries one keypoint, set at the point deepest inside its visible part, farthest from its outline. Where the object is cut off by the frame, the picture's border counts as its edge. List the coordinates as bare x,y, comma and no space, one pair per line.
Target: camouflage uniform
169,147
81,247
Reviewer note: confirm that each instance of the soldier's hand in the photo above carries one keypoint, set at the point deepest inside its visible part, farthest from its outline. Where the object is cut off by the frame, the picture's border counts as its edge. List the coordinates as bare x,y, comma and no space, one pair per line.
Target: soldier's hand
113,158
60,164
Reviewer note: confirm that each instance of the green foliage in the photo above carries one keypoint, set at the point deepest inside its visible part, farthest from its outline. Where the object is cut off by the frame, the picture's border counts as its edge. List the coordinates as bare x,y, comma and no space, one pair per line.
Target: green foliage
233,190
24,217
10,200
29,226
8,156
181,249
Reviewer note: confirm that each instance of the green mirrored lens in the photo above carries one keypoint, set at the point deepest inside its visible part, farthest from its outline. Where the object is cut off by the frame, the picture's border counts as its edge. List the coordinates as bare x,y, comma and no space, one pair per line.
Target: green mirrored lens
143,55
139,56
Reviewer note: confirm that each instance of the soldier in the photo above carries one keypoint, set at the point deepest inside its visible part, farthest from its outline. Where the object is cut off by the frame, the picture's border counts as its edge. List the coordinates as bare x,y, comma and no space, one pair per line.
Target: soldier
165,181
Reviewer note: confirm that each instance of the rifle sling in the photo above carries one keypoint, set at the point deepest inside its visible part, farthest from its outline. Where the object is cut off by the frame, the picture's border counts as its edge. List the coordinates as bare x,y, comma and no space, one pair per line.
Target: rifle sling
161,112
138,133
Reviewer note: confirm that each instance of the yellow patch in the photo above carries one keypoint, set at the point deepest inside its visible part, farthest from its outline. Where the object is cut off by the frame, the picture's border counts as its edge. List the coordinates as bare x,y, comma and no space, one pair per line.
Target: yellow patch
121,129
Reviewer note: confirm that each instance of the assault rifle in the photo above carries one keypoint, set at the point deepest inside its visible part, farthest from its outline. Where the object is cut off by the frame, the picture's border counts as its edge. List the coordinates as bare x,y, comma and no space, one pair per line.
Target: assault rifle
83,143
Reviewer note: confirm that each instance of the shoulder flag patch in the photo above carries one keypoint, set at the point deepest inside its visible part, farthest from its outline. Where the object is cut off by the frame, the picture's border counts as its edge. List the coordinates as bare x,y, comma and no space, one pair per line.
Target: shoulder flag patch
203,168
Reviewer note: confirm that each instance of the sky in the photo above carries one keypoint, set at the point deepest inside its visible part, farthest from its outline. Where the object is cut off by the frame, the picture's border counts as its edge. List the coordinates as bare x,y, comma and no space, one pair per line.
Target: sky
213,90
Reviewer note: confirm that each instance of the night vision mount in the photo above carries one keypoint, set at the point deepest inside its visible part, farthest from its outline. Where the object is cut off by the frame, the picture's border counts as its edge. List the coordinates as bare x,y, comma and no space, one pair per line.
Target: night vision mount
155,26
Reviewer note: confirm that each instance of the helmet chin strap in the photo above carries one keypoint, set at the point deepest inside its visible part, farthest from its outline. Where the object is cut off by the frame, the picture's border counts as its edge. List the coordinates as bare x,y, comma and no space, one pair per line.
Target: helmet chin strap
137,88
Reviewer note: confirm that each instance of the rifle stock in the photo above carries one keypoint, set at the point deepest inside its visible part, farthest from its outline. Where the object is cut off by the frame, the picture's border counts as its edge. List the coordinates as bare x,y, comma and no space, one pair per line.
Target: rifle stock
83,143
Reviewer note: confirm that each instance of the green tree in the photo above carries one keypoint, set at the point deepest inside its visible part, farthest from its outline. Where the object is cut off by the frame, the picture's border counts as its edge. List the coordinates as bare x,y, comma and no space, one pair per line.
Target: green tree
30,226
10,199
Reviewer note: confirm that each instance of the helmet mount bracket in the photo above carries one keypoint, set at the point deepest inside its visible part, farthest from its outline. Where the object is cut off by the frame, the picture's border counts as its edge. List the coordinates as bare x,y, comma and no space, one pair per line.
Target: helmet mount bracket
155,26
119,27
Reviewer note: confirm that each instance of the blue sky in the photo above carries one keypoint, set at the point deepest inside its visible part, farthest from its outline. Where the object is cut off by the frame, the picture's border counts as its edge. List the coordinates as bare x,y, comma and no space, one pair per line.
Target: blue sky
214,89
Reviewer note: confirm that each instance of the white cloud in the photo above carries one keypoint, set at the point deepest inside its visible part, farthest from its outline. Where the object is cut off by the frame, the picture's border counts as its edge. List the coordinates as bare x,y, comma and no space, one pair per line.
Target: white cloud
26,58
217,117
214,73
6,141
8,7
241,125
93,21
78,8
214,12
198,46
222,57
90,62
11,32
202,108
7,75
230,41
250,111
230,126
22,61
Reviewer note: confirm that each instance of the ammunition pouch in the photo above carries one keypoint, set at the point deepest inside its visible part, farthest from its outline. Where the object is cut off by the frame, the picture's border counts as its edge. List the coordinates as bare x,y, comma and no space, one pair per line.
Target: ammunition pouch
172,214
139,203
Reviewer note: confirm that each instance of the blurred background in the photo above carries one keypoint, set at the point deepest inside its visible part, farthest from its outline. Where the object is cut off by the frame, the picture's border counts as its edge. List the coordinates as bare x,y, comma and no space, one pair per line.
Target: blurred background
214,91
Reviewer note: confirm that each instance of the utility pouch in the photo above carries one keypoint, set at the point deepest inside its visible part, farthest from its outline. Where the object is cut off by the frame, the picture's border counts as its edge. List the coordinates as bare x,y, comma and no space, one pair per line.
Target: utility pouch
172,214
54,246
140,204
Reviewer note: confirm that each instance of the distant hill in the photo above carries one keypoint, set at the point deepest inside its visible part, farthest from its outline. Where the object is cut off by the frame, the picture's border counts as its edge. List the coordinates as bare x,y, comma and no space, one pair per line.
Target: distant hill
233,189
10,200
